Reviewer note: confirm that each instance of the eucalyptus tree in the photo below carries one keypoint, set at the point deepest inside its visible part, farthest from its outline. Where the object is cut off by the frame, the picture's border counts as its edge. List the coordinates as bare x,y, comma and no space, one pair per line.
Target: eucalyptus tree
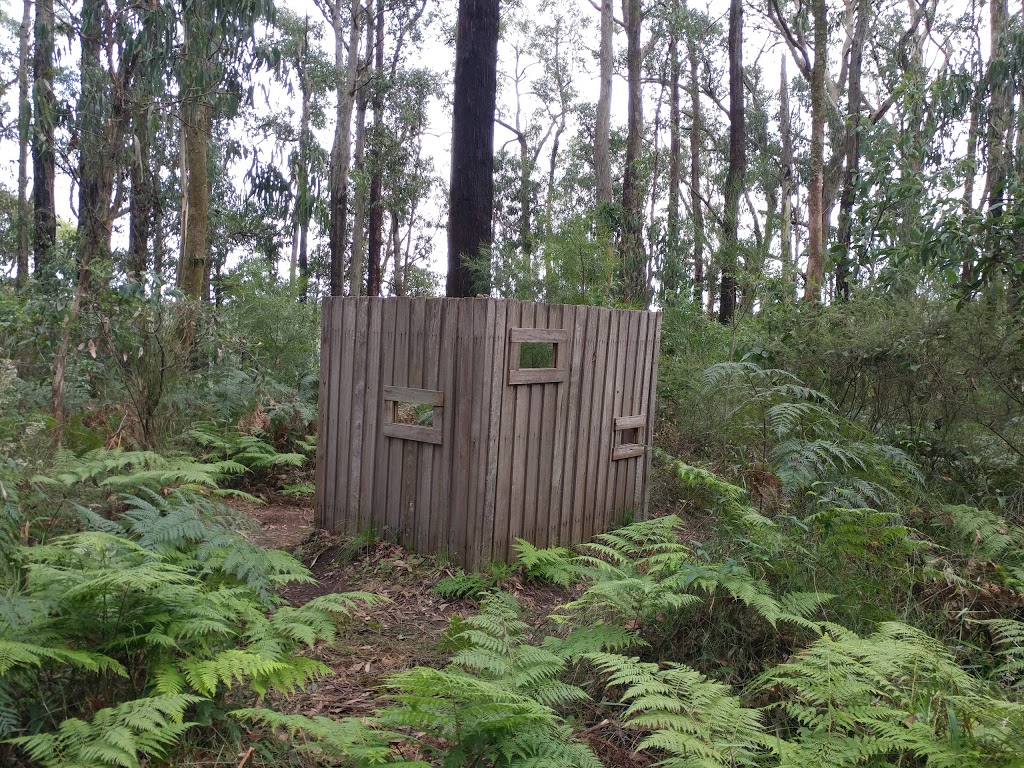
345,18
44,109
737,165
472,182
213,77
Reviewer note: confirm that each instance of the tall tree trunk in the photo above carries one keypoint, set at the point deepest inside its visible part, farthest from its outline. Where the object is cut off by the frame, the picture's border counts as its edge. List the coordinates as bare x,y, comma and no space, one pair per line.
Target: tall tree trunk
737,166
345,71
696,209
373,273
673,259
634,276
196,249
815,244
1000,106
853,106
472,182
143,191
355,277
24,123
786,229
95,168
603,123
43,155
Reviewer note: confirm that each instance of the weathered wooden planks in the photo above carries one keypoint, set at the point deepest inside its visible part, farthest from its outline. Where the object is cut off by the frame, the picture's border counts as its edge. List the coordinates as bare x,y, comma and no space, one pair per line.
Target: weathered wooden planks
531,453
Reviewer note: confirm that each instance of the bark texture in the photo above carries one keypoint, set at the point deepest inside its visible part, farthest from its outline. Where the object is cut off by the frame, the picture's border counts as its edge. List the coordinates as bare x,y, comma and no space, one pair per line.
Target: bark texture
472,181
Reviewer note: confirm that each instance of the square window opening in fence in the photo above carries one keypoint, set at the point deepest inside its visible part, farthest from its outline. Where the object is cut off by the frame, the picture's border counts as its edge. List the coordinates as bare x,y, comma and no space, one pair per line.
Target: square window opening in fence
537,355
413,414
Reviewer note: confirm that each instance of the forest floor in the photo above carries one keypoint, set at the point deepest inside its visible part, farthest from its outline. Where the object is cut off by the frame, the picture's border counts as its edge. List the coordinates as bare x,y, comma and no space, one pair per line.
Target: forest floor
407,632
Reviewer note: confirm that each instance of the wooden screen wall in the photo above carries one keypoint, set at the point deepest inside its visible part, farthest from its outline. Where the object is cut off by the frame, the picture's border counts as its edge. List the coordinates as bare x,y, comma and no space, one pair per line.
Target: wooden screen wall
554,459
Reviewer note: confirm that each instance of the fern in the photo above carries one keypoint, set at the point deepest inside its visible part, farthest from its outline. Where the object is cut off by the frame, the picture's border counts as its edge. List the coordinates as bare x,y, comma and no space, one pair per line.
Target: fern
169,603
693,720
462,585
553,564
896,695
116,736
496,704
351,739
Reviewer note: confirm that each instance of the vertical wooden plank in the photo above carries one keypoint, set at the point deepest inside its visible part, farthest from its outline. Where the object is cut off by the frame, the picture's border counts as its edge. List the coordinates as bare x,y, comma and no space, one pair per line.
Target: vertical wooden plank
360,356
460,474
534,520
585,431
604,495
396,449
520,446
425,471
560,427
371,413
496,387
383,458
408,506
640,345
652,404
482,517
627,406
599,431
322,437
441,502
343,518
506,443
332,513
578,336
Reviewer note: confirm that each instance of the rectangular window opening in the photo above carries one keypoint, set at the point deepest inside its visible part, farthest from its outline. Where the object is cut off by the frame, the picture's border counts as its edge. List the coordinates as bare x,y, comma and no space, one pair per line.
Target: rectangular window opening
413,414
537,354
628,442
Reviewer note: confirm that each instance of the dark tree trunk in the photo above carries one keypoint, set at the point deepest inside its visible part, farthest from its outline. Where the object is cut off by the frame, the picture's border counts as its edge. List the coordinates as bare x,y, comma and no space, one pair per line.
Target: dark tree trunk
141,202
43,156
472,182
634,273
737,165
373,272
847,197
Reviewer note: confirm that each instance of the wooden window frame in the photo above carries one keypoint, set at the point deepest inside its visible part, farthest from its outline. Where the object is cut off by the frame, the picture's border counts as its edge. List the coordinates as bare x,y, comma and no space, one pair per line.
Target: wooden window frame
395,395
558,338
625,424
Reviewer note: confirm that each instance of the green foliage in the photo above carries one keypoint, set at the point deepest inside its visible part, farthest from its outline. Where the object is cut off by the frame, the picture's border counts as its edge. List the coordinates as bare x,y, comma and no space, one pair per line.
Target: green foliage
495,704
118,469
897,695
698,723
115,736
229,446
553,564
133,622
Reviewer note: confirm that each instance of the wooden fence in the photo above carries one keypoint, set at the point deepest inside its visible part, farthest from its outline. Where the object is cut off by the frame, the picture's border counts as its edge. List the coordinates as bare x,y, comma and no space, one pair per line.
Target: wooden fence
552,455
